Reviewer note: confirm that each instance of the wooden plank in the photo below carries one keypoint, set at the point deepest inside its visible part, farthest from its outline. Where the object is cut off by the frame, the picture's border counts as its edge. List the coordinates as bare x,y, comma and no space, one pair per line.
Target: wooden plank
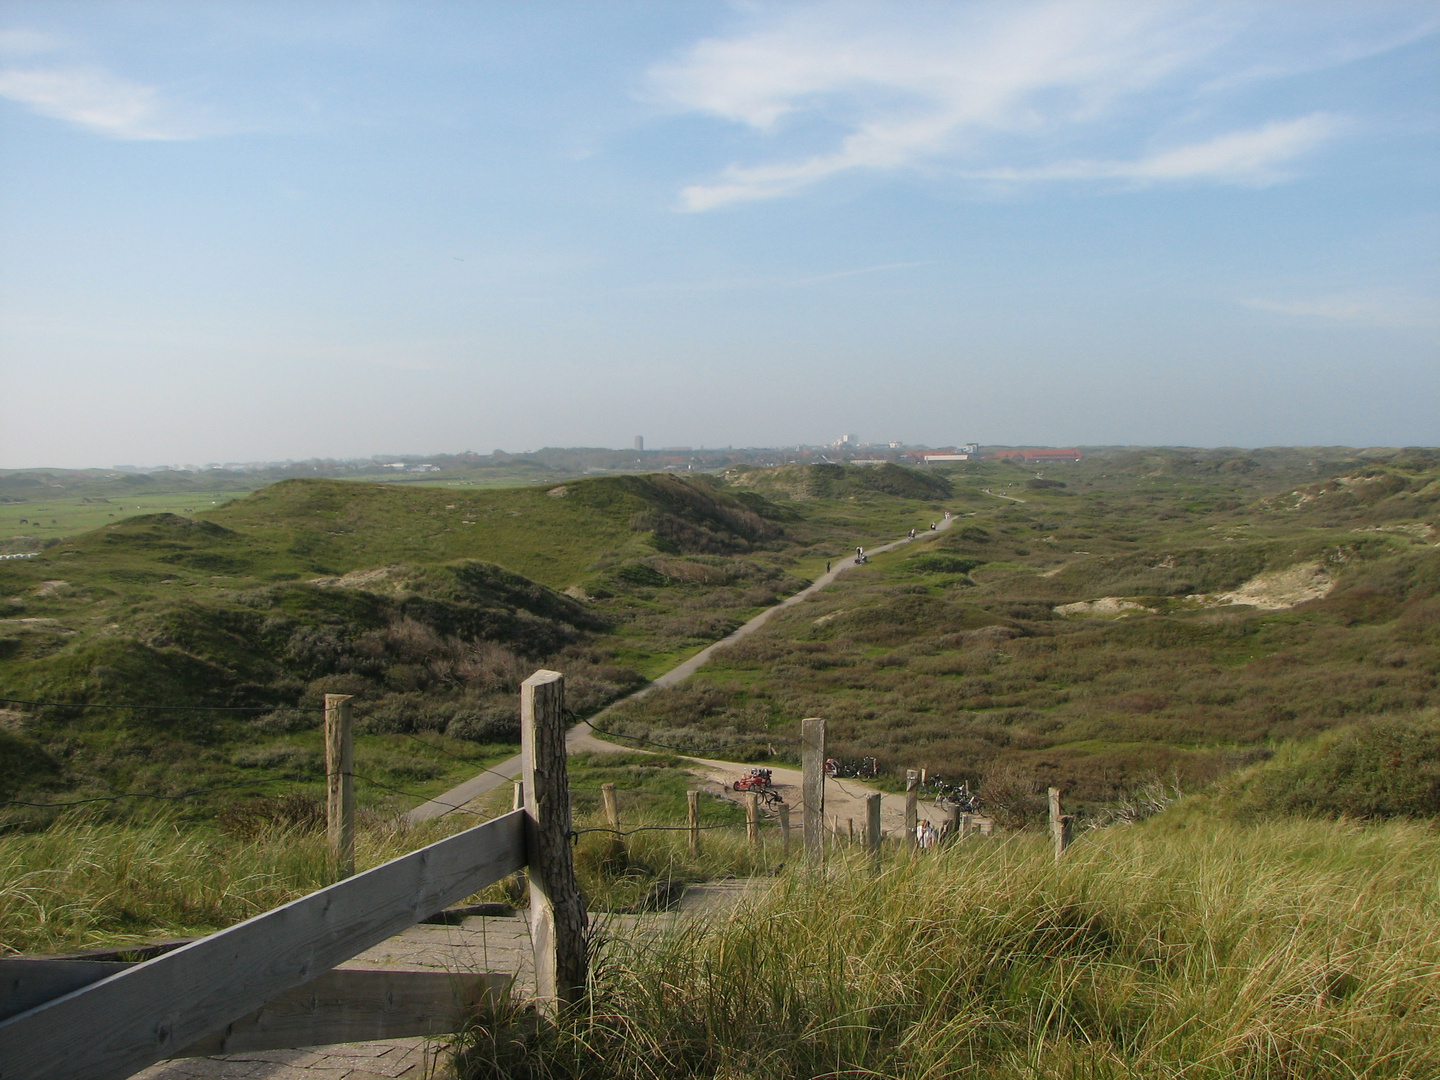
113,1028
359,1004
28,981
812,789
557,915
340,1006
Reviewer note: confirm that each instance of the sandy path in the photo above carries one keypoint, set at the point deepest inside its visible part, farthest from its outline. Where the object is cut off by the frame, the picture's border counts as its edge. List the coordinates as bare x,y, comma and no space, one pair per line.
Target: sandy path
581,737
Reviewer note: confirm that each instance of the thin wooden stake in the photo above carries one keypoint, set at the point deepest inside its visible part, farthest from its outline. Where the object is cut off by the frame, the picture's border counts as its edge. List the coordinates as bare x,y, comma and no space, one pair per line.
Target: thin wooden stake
1061,825
557,916
812,789
692,798
872,827
952,827
752,818
912,810
785,829
340,782
612,819
850,825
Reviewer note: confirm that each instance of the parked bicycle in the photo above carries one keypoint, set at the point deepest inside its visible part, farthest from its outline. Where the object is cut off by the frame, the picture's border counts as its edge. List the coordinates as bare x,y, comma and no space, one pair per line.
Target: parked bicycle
866,768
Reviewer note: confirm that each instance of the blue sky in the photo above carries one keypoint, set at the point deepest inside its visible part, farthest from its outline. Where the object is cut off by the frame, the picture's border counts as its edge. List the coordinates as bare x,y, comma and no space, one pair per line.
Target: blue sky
248,231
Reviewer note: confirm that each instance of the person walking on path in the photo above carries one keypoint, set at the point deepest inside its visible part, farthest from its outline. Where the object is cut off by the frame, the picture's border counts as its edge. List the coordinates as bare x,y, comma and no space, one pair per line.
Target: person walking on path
827,566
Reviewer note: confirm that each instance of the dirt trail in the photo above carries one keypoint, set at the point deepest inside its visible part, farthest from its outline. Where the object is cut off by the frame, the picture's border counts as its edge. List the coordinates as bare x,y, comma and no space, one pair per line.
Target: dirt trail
582,738
844,799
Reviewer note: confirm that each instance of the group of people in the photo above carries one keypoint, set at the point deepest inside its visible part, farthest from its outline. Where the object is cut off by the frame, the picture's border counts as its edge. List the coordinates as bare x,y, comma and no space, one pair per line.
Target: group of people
925,836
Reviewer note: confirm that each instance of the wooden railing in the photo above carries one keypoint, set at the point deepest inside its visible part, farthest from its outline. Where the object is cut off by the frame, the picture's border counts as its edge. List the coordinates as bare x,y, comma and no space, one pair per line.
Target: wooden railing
267,982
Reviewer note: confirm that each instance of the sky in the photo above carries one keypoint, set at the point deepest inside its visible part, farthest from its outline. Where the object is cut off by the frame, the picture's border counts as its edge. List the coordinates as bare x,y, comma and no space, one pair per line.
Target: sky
261,231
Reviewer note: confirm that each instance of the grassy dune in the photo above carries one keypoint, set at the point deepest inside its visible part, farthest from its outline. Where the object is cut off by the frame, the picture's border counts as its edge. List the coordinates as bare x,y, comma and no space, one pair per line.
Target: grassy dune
1291,949
1125,624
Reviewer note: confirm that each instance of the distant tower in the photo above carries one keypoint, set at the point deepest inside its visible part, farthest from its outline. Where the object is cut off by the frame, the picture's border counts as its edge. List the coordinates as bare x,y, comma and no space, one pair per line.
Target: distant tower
639,443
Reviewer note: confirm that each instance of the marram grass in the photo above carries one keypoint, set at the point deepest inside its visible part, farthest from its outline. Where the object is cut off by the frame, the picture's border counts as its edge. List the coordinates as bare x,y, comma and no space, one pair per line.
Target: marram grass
1288,949
87,881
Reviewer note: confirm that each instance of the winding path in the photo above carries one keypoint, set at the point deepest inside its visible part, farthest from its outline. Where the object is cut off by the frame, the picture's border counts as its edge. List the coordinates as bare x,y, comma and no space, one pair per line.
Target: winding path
581,737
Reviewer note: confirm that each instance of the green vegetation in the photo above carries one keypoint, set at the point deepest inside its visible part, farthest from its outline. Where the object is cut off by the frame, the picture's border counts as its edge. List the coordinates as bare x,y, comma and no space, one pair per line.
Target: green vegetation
88,881
1162,617
427,605
1292,949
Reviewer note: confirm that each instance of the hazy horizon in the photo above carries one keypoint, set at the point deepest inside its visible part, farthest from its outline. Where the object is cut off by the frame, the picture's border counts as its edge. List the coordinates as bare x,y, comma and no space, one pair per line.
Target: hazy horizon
244,232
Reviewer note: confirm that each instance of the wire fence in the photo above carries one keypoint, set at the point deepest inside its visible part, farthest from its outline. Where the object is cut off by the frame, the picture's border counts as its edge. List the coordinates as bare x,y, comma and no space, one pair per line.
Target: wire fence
195,793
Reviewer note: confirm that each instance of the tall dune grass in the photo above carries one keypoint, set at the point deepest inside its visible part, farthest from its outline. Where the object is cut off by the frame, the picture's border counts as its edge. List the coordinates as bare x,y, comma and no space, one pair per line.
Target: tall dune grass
86,881
1293,949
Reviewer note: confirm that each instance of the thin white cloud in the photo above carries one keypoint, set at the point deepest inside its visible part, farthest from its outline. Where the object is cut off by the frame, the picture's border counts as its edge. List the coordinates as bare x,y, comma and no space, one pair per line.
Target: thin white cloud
955,87
1254,157
1383,309
95,100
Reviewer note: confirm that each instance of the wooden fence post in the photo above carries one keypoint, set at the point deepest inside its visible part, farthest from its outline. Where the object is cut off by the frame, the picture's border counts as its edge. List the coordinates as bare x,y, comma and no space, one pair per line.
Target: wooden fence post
612,819
340,782
952,827
872,827
752,818
517,883
1061,825
692,799
557,916
812,789
849,829
912,810
785,829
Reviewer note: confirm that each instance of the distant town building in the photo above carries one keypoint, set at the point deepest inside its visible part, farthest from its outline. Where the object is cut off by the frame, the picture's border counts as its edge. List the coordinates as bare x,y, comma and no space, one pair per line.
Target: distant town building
639,443
895,444
1038,456
848,440
938,459
970,448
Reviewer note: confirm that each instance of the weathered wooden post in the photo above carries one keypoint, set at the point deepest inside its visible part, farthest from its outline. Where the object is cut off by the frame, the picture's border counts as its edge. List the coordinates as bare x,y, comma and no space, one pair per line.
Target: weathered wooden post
557,916
850,829
612,808
952,827
785,829
872,827
692,799
812,789
752,818
912,810
1061,825
612,819
517,883
340,782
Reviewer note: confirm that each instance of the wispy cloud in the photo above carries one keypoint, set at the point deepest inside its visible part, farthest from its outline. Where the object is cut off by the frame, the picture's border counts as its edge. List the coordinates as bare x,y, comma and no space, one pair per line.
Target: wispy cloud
1254,157
95,100
961,87
1384,309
